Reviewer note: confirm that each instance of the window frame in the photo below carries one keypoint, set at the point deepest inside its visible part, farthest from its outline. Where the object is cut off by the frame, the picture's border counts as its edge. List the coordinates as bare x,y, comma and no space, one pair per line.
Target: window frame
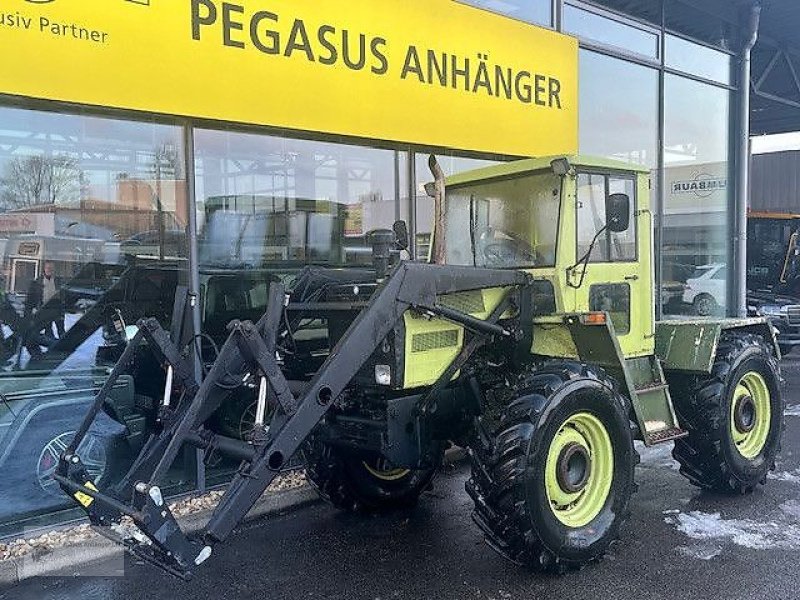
622,284
607,175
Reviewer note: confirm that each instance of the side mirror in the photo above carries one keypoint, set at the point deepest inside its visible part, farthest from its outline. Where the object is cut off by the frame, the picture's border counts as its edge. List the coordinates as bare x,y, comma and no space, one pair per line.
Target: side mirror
618,207
401,234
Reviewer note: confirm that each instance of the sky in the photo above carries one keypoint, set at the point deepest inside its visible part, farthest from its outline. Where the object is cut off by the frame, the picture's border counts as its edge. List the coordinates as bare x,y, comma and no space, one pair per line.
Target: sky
776,143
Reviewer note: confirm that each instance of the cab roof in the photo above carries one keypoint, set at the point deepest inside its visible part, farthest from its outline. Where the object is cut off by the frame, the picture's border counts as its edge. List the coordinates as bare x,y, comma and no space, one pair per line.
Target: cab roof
540,164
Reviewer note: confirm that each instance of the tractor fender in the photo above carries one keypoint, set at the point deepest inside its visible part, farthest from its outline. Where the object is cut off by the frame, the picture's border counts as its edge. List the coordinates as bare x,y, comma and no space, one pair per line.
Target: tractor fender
691,345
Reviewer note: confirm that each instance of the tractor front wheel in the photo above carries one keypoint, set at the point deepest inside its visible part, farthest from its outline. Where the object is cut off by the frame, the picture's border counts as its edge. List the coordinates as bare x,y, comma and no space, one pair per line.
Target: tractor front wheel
552,485
734,417
363,482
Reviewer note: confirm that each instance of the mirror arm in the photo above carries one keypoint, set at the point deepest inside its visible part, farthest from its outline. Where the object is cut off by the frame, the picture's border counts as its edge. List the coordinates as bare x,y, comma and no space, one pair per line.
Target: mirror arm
584,260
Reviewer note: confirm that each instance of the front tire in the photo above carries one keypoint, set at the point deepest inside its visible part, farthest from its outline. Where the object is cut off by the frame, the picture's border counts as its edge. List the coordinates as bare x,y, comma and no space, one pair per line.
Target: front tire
363,482
553,485
734,417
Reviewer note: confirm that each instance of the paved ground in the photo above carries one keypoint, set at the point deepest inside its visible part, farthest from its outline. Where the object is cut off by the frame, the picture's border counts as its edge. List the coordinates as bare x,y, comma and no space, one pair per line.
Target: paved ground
679,543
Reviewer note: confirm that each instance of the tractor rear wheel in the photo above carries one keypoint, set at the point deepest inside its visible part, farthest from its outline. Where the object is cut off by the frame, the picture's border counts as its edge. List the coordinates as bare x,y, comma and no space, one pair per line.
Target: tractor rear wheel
552,485
734,416
363,482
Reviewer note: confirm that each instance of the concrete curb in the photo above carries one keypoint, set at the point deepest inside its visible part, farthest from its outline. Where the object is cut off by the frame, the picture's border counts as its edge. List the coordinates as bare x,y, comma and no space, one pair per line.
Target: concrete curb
100,549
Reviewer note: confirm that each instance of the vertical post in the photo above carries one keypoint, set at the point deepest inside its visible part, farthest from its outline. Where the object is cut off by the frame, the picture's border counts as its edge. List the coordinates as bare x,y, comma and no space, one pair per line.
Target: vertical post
412,203
660,192
397,215
557,7
194,266
738,304
194,278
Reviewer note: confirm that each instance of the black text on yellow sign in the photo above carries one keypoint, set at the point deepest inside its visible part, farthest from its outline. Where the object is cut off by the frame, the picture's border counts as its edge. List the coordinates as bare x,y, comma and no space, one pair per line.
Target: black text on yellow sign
433,72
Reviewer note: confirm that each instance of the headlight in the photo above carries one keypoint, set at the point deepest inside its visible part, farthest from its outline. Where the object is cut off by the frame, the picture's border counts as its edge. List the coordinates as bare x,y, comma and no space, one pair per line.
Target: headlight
383,375
771,310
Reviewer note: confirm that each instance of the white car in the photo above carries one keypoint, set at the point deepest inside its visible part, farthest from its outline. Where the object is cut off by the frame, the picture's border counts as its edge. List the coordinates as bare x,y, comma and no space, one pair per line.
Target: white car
705,289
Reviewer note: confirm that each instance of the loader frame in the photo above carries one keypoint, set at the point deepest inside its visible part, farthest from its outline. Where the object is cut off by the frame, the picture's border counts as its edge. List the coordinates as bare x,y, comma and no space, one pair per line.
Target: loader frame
250,350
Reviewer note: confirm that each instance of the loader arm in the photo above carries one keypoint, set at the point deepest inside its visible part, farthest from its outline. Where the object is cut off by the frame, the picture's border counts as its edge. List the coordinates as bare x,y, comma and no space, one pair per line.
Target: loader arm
250,349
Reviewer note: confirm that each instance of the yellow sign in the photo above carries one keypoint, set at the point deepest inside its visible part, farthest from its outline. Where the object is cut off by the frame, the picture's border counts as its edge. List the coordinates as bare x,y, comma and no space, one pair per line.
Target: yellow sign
433,72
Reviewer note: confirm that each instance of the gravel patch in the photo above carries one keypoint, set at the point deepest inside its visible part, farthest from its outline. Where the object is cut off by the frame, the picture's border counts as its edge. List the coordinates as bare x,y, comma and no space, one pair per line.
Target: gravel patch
73,536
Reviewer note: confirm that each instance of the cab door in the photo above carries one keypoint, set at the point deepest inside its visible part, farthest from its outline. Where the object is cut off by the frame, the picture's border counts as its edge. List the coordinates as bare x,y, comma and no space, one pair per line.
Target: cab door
617,277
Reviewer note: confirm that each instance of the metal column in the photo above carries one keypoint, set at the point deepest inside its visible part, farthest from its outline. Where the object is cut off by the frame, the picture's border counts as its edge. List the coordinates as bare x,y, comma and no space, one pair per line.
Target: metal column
194,279
738,305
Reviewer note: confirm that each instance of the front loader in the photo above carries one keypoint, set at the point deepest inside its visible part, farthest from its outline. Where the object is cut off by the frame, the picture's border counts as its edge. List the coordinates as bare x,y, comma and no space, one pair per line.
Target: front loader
528,338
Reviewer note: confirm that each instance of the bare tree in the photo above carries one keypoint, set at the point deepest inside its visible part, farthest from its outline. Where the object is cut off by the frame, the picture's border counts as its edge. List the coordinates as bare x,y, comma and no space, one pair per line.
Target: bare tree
166,164
34,180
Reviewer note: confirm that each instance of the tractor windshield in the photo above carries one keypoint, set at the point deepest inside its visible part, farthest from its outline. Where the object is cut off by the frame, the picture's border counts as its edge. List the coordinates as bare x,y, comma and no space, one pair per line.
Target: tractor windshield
503,223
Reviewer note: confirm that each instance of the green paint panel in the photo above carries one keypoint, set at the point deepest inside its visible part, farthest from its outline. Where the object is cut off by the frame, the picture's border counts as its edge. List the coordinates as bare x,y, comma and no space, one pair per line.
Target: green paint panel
687,345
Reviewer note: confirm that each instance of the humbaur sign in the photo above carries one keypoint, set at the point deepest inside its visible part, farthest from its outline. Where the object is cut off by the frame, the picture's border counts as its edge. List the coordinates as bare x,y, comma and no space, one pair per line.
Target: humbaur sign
413,71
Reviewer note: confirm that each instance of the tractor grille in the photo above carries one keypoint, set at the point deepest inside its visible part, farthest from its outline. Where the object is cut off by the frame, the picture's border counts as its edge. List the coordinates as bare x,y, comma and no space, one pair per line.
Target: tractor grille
434,340
466,302
793,314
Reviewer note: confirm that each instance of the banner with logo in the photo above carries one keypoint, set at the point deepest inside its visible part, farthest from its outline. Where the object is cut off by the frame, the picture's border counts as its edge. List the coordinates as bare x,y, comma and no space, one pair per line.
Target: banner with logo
432,72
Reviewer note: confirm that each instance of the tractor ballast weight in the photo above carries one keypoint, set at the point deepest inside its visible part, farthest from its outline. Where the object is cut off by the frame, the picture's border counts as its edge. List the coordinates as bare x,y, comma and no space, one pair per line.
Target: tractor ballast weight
529,340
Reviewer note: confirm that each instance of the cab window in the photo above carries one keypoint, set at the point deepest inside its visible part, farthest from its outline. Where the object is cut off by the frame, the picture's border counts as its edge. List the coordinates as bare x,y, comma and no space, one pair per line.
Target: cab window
593,188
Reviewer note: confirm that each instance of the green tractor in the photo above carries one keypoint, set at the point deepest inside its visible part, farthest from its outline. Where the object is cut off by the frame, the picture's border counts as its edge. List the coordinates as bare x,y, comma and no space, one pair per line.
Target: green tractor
528,338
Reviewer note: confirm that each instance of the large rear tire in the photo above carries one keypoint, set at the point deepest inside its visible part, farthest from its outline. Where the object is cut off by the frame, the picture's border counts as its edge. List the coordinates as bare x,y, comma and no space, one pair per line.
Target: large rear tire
552,484
363,482
734,416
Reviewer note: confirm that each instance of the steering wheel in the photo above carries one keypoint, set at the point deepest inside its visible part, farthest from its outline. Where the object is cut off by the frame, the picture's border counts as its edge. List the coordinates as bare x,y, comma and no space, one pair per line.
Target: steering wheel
502,251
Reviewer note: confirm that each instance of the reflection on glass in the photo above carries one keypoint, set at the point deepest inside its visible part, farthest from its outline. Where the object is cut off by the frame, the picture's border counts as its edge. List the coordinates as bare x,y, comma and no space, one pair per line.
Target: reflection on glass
533,11
618,121
511,223
697,197
269,208
266,201
424,205
697,59
604,30
92,218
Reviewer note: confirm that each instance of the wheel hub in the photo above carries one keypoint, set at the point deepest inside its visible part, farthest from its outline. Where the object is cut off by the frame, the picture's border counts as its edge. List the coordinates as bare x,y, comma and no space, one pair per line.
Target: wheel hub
579,469
750,415
573,468
744,416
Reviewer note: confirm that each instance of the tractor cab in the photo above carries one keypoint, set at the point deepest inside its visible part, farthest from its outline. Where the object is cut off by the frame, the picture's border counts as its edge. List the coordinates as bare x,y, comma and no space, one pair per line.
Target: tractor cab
581,226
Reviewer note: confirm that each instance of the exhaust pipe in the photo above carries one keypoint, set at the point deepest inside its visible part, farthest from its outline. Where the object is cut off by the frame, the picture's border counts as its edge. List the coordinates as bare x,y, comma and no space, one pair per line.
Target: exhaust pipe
436,191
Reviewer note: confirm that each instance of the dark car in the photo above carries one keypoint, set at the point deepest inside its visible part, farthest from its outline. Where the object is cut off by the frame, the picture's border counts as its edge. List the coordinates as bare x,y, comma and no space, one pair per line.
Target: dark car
782,310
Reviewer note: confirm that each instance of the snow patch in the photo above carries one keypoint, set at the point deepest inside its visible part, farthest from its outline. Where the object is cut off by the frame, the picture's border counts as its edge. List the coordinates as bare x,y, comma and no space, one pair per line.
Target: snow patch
788,476
791,508
792,410
701,551
708,527
659,456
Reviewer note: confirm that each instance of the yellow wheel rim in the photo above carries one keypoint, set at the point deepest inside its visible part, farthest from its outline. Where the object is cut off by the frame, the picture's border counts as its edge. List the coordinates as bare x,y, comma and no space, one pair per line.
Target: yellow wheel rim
579,470
382,469
750,415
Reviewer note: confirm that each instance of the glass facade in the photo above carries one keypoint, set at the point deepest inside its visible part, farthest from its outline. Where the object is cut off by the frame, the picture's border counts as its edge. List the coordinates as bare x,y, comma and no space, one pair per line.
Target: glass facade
93,227
696,59
264,200
607,30
697,197
532,11
691,194
618,121
94,217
